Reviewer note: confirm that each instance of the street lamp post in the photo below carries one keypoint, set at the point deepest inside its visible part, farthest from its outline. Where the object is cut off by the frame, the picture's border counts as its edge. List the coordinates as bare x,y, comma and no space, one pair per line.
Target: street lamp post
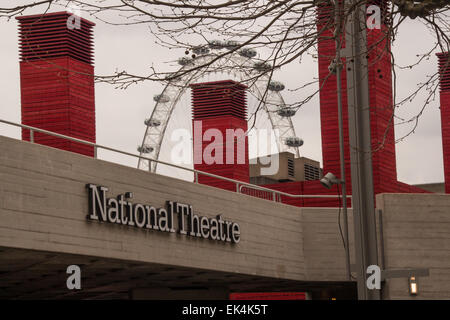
360,147
338,63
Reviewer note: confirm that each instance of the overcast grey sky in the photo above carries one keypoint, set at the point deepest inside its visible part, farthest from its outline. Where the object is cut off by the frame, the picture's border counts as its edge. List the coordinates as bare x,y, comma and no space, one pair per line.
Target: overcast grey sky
120,113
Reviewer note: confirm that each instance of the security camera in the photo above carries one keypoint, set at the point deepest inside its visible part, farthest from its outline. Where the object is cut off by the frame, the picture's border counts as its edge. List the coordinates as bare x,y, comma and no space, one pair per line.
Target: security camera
329,180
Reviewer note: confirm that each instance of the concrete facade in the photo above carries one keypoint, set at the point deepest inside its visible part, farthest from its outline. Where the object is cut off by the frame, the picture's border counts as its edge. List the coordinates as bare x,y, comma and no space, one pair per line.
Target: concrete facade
438,187
44,204
416,234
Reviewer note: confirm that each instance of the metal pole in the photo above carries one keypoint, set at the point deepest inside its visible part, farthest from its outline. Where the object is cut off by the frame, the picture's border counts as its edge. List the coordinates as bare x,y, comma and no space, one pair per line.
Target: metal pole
360,148
337,35
31,136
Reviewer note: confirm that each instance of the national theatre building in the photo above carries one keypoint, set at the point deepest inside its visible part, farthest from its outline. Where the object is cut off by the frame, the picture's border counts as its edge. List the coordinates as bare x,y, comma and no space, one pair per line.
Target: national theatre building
136,234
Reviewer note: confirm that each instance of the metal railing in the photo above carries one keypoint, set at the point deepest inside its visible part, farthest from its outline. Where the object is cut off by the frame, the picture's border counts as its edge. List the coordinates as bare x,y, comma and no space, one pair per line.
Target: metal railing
251,189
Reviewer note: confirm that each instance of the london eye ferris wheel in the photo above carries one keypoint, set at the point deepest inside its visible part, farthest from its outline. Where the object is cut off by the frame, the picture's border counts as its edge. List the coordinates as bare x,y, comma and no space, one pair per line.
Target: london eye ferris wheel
242,66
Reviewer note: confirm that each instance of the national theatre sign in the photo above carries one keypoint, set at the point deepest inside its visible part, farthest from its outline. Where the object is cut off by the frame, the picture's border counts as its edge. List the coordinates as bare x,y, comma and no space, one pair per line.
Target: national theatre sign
120,210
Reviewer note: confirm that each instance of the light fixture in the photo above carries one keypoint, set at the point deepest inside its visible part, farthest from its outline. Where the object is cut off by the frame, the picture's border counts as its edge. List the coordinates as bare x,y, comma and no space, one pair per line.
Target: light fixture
413,289
329,180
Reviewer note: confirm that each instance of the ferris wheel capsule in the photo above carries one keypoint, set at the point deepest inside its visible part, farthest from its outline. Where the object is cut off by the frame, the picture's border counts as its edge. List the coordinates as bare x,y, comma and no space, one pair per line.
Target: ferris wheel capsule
248,52
231,44
216,44
145,149
200,50
262,66
161,98
184,61
286,112
152,122
293,142
276,86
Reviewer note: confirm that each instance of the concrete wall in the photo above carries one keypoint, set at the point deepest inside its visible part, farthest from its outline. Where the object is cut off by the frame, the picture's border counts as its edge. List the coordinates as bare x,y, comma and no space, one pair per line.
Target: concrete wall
438,187
44,204
322,243
416,231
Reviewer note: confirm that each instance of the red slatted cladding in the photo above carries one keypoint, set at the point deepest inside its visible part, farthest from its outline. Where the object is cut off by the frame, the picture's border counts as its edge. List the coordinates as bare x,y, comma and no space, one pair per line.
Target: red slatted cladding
56,77
220,105
380,88
381,103
444,72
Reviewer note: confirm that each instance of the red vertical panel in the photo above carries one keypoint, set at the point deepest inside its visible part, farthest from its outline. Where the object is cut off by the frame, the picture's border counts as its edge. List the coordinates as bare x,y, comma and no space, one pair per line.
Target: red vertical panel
380,92
444,71
56,76
220,105
381,109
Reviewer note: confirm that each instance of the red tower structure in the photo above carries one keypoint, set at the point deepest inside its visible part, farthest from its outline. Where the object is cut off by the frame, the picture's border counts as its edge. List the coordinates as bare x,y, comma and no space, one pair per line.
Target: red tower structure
444,72
219,124
381,101
56,78
381,114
